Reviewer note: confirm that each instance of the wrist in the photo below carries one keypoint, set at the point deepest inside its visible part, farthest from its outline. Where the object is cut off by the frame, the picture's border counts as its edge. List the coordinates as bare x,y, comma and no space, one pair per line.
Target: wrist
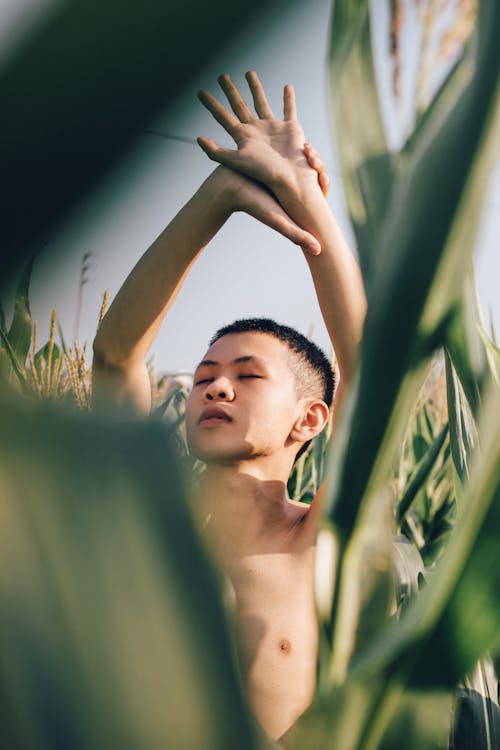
223,187
297,183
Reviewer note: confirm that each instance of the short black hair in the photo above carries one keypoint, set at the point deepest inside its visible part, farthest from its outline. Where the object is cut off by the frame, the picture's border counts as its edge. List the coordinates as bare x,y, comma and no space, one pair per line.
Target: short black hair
311,367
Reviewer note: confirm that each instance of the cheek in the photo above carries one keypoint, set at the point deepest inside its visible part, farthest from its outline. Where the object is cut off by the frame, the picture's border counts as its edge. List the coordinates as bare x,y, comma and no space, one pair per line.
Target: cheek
273,422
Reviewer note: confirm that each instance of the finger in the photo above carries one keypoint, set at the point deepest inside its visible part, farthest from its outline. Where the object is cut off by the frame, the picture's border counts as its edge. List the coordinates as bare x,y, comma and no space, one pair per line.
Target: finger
226,156
278,220
289,105
311,152
324,183
314,160
266,209
220,113
235,99
259,98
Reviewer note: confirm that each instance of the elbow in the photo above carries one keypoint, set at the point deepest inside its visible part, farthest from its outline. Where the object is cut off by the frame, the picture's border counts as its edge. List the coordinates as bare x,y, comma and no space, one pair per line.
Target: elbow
105,358
100,353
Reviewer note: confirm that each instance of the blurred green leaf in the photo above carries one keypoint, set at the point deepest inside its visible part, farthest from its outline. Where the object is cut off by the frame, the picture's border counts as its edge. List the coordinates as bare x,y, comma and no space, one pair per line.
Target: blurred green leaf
367,169
432,204
422,719
81,88
465,346
430,198
425,196
102,584
9,363
440,636
21,326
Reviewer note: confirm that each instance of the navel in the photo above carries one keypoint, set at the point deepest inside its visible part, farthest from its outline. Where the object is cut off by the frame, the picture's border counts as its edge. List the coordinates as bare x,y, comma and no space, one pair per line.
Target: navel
285,646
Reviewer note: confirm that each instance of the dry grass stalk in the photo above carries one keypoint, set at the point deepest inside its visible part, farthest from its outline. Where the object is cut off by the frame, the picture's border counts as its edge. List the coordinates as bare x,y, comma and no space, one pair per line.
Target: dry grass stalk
445,48
50,351
104,307
453,40
33,372
35,337
33,375
78,375
397,19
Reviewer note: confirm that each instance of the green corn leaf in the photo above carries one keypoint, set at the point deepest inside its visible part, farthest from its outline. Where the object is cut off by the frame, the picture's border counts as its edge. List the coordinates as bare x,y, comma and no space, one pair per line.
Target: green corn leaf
103,583
463,431
12,362
465,346
447,609
492,355
52,159
428,422
433,216
21,327
61,336
44,354
367,168
423,470
412,255
438,530
374,713
448,627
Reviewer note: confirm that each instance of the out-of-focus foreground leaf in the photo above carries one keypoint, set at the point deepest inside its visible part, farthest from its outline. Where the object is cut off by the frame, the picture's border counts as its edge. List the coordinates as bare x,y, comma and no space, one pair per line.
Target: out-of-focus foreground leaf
102,582
428,196
423,227
434,195
440,637
80,89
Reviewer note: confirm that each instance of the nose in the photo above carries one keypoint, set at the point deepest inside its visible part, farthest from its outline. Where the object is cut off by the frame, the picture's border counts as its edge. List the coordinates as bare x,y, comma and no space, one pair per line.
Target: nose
219,390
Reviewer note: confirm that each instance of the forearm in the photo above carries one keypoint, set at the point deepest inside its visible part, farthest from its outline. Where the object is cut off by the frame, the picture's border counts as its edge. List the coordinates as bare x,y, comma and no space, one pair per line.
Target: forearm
133,320
335,272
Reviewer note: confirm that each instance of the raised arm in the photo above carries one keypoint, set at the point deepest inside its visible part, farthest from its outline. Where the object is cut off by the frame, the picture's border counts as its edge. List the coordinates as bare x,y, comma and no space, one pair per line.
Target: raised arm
271,151
130,326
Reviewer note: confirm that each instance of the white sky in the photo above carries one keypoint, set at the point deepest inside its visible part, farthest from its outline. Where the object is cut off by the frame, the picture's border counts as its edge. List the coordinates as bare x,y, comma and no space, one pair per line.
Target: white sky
247,270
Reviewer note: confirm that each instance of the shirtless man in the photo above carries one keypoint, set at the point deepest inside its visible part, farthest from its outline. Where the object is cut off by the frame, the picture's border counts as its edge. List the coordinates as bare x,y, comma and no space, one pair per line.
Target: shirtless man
255,401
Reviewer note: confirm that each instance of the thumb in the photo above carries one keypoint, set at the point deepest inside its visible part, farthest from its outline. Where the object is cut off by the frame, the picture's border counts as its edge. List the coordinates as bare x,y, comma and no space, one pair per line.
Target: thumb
226,156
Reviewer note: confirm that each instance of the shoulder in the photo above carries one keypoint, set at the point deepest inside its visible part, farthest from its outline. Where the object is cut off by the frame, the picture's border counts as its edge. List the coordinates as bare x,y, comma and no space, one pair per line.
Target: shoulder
302,527
311,516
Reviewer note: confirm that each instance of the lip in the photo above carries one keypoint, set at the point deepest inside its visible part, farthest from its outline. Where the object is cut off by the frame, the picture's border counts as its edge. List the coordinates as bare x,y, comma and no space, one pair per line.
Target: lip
214,415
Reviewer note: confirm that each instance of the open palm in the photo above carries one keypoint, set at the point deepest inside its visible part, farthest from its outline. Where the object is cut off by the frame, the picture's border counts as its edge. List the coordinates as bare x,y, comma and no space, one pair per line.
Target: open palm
268,150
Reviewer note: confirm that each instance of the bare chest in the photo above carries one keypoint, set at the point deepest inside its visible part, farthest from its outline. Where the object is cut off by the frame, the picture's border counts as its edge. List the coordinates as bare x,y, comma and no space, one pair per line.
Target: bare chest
276,633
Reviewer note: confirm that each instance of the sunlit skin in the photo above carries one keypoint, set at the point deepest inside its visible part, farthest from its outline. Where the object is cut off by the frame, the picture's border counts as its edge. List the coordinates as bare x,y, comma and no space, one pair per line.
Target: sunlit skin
246,416
248,376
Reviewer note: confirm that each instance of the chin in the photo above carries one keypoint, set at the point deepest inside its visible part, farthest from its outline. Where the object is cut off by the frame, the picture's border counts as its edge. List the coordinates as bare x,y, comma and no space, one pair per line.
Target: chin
220,453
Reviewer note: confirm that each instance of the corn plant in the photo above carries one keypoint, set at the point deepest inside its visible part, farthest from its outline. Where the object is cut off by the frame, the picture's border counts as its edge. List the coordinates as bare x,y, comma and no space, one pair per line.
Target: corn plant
415,214
52,371
112,630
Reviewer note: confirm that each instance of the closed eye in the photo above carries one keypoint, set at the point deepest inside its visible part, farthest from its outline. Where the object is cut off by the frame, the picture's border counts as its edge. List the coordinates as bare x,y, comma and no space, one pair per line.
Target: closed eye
242,377
205,380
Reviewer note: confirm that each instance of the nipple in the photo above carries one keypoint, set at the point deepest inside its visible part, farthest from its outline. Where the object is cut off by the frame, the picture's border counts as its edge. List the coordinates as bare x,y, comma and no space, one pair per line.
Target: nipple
285,646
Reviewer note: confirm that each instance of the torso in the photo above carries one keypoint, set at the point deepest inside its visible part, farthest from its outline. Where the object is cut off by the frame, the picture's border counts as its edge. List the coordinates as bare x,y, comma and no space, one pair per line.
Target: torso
275,621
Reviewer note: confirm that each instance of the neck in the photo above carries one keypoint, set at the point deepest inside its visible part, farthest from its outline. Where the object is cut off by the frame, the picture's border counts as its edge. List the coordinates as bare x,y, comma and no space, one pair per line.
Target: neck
242,500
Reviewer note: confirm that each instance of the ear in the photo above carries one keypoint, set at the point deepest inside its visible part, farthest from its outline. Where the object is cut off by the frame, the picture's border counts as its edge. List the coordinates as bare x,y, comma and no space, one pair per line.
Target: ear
311,422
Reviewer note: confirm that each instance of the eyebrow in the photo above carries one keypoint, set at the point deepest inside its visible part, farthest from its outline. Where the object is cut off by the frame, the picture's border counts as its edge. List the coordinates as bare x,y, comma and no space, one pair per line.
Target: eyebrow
238,360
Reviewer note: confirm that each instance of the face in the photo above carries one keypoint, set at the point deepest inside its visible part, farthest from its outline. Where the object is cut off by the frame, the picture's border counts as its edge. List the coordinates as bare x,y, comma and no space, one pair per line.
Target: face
244,400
